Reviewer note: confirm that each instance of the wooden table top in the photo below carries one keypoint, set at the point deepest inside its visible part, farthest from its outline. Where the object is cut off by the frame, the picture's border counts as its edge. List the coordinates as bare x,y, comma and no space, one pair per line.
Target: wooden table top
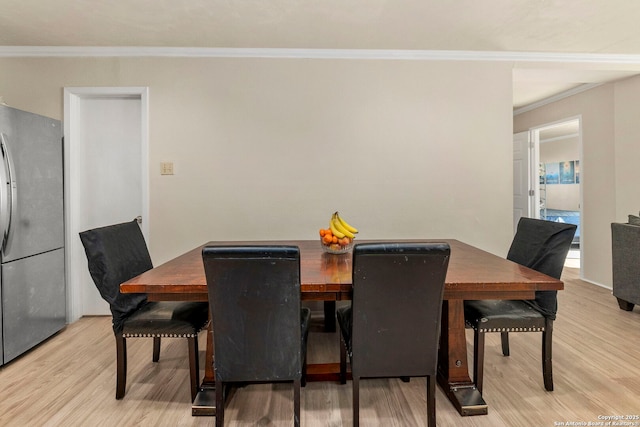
472,274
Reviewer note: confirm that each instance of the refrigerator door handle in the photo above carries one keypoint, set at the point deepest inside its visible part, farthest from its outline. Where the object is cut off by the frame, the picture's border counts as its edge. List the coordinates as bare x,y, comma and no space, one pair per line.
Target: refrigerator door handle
8,207
4,195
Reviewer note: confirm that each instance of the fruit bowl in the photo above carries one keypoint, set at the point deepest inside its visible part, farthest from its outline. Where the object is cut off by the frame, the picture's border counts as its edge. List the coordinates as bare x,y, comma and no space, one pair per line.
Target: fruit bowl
338,237
337,248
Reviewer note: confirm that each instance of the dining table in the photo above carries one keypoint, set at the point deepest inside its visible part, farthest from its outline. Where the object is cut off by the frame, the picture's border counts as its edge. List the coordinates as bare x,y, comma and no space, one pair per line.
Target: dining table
472,274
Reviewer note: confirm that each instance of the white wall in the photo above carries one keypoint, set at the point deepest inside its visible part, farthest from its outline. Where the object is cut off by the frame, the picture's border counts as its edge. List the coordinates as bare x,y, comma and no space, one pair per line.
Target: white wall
609,165
269,148
627,148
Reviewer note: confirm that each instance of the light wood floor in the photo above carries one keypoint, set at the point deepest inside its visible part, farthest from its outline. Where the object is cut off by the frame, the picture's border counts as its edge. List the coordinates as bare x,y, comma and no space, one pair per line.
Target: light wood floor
70,379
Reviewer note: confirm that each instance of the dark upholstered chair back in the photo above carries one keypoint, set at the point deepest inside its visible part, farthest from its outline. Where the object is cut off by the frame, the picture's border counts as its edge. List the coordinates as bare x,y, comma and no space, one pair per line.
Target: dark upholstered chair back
542,246
397,303
254,296
115,254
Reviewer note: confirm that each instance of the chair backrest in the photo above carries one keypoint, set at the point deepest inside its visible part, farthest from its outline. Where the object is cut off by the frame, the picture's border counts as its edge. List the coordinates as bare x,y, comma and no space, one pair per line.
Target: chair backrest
542,246
625,261
254,297
397,303
115,254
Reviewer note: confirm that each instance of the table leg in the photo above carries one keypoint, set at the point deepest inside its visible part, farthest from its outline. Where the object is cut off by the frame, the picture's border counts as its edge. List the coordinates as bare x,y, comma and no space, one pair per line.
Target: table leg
329,316
205,402
453,369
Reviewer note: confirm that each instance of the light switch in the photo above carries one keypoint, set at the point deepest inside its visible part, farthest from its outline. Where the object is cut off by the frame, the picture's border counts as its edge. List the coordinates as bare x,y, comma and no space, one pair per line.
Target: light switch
166,168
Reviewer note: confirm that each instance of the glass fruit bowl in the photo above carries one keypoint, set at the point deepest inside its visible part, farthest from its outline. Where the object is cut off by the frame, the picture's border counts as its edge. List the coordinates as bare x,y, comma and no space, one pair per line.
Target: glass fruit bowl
341,247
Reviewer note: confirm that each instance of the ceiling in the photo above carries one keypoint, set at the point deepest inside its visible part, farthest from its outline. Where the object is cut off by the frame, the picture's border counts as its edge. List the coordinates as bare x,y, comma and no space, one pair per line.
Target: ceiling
563,43
568,129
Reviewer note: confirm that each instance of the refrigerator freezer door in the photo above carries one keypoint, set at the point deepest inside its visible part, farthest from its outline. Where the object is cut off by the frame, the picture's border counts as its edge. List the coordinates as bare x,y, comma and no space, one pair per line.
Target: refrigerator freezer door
33,301
34,144
6,127
7,196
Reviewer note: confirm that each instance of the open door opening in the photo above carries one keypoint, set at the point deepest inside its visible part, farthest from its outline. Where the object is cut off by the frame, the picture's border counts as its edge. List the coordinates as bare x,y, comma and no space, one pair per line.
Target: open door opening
548,175
559,178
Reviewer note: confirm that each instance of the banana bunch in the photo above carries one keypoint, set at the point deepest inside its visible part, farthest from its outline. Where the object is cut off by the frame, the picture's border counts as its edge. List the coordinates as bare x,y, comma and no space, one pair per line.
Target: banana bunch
339,235
340,228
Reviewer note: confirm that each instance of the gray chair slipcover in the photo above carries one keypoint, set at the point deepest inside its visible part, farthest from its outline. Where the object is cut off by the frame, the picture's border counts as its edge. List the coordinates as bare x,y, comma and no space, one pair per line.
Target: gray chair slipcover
542,246
117,253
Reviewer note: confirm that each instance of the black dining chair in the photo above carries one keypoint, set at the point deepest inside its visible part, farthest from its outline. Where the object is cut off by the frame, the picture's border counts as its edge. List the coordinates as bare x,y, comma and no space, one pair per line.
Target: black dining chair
260,329
117,253
542,246
392,327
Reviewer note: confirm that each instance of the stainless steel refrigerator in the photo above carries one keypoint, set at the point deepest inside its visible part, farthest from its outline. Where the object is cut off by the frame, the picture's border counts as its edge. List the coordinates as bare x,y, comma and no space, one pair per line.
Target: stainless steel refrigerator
32,272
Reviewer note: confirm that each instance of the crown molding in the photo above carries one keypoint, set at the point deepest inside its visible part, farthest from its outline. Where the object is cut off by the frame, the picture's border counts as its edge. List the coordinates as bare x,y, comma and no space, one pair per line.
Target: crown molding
567,93
384,54
354,54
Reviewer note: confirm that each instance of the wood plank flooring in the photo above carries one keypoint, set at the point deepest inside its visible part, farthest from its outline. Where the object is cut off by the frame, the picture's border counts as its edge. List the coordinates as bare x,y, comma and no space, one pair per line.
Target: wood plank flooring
70,379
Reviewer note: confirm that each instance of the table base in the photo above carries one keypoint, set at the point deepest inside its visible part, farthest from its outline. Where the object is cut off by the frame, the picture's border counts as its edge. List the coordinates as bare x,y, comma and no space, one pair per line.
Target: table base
466,399
205,402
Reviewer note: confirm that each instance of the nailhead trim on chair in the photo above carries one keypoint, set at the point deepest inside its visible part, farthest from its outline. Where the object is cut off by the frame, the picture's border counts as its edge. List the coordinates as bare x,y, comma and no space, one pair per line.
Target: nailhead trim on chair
159,335
530,329
165,335
511,330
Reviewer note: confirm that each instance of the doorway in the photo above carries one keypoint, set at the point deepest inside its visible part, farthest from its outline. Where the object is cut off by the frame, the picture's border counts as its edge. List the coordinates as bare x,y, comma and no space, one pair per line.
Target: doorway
106,176
559,195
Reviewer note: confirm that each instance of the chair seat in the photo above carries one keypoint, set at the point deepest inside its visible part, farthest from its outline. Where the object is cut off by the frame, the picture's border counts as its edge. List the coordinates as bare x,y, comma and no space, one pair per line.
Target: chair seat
503,316
167,319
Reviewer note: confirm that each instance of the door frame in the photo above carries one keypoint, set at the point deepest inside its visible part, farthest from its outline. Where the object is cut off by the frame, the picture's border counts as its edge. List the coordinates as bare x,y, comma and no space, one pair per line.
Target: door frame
535,139
535,147
530,161
72,103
